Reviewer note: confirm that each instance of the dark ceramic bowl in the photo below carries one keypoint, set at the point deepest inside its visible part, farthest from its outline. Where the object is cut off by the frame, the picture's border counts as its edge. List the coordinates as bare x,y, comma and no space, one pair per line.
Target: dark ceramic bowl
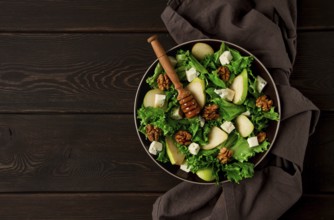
257,67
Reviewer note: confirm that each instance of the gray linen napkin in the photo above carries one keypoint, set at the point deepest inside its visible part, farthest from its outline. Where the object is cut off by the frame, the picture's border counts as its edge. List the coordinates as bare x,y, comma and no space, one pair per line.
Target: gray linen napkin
267,28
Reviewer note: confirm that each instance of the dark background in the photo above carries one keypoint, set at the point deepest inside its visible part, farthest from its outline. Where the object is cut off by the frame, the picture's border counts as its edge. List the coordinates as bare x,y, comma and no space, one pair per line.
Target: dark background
69,71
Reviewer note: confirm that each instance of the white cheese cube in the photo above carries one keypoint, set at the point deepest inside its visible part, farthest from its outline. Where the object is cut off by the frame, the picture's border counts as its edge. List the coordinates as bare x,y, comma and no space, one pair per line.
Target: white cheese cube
191,74
201,121
152,149
246,113
227,126
227,93
185,167
155,147
194,148
225,58
252,141
260,83
218,91
159,100
176,113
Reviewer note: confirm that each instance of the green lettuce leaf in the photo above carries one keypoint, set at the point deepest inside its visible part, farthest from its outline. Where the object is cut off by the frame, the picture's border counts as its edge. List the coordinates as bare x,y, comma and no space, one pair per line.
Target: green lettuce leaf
242,152
239,62
156,117
235,172
152,80
271,115
215,80
217,54
228,110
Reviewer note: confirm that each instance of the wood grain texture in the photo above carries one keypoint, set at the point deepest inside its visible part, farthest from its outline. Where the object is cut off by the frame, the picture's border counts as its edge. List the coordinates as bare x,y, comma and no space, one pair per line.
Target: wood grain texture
100,72
315,15
75,153
119,16
313,71
318,175
124,206
72,73
80,152
95,206
311,207
69,71
83,16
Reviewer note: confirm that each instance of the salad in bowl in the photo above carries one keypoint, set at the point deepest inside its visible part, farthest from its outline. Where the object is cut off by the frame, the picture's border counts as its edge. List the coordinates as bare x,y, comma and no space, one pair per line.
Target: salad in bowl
238,120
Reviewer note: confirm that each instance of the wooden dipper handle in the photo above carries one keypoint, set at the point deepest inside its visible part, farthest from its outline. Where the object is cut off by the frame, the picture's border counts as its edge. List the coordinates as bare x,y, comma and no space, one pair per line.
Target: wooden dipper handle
188,104
164,61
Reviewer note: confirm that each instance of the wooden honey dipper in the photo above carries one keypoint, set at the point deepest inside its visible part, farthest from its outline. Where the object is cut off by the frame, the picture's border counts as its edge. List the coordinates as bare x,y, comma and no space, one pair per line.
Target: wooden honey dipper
188,103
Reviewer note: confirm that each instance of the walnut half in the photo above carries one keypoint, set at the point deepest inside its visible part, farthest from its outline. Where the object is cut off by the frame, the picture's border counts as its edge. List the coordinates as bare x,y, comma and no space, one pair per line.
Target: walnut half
261,136
264,103
183,137
163,82
224,73
153,133
224,155
211,112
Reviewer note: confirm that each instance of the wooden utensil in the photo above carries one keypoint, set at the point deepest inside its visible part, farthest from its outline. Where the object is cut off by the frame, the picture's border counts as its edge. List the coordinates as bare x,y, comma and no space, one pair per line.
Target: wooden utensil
188,103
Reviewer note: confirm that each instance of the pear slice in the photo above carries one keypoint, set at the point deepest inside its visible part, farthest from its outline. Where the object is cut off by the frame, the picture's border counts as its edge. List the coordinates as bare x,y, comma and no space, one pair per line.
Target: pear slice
149,98
197,89
240,87
206,174
201,50
216,137
174,155
244,126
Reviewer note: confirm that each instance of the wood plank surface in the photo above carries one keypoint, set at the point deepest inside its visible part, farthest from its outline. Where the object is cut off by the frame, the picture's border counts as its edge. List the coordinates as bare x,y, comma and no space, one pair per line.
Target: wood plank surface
311,207
82,16
87,152
313,70
72,73
69,71
77,206
118,15
318,175
78,73
124,206
315,15
75,153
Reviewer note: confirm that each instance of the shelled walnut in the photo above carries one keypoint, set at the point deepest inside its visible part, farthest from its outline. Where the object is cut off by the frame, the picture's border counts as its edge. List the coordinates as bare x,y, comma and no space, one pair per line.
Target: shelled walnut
183,137
224,73
264,103
210,112
261,136
163,82
224,155
153,133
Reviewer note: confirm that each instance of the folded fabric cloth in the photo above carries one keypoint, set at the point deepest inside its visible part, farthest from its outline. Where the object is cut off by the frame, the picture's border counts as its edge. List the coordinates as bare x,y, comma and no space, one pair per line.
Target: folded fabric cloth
267,28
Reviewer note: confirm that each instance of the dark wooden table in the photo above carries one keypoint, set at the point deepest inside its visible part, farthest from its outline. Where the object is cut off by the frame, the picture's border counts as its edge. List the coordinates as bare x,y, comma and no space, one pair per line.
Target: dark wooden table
68,76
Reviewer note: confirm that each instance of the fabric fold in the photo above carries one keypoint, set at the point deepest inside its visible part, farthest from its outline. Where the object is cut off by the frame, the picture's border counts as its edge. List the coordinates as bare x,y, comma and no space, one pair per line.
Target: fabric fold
268,30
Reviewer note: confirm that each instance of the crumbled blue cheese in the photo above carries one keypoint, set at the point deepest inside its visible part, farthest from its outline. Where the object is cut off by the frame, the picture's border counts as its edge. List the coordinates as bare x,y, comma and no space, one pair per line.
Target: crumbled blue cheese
252,141
227,126
159,100
185,167
225,58
176,113
191,74
227,93
194,148
260,83
155,147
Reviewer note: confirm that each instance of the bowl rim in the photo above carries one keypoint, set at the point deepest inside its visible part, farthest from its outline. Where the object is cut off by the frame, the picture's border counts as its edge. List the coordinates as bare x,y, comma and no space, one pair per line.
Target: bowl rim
239,48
